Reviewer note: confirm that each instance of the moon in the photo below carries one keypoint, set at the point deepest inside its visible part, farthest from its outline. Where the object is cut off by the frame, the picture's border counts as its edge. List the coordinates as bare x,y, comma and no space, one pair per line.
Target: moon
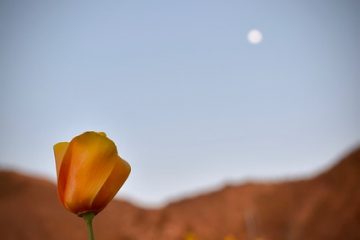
254,36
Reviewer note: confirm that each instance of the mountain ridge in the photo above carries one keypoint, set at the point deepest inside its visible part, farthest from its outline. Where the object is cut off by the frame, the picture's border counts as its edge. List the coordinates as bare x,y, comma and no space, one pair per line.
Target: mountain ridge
326,206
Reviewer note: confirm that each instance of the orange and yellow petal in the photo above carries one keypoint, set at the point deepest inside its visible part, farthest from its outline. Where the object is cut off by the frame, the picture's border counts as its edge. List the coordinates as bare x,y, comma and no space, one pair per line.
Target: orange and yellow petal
112,185
59,152
91,160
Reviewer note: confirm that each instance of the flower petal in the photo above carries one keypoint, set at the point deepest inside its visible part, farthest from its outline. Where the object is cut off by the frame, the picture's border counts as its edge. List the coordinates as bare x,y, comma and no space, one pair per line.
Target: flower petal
91,161
59,152
118,176
102,134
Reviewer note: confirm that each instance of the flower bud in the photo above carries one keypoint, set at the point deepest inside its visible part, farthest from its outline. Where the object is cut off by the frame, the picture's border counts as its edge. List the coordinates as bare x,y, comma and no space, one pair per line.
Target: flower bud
89,172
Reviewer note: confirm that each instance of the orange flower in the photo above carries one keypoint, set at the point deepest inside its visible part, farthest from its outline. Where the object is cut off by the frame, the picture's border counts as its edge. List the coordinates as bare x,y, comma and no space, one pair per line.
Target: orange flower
89,171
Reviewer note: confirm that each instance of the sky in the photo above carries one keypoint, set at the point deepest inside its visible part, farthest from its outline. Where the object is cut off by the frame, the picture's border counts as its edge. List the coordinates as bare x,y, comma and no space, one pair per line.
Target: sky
190,103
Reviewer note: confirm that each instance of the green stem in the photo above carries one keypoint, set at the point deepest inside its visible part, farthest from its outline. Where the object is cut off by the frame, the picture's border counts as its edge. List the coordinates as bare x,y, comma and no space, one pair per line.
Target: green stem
88,217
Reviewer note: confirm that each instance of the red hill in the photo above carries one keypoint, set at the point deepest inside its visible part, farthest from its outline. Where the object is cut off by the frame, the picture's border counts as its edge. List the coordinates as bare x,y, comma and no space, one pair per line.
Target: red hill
325,207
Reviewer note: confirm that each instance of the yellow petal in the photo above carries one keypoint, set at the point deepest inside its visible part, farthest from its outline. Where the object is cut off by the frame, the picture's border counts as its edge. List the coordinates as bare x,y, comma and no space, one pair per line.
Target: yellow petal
59,152
91,161
102,134
118,176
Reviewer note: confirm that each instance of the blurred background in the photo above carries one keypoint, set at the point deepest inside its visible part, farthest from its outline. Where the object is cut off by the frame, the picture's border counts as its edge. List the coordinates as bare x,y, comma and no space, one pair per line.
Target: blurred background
197,95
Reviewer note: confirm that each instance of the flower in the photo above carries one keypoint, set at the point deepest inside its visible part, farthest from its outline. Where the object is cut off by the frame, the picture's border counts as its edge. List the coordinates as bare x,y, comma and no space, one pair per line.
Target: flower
89,172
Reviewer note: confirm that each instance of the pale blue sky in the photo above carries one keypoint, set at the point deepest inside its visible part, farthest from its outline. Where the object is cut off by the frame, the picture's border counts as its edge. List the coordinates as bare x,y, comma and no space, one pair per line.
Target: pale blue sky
189,102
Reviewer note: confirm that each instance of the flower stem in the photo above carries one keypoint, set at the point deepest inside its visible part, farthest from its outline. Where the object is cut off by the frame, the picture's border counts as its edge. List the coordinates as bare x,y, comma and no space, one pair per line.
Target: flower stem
88,217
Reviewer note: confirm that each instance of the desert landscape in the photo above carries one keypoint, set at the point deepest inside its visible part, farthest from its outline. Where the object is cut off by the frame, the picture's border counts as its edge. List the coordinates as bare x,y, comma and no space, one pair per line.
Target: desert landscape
208,120
326,206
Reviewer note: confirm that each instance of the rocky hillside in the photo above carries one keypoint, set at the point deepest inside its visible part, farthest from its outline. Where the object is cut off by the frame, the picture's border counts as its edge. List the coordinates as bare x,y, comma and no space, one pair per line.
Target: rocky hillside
325,207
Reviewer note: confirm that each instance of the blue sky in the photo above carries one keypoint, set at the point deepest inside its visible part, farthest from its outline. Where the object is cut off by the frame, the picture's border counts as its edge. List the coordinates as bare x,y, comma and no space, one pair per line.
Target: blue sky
189,102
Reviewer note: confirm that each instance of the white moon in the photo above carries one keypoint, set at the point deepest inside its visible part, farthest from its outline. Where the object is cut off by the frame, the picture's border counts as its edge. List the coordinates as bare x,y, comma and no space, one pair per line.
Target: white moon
254,36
